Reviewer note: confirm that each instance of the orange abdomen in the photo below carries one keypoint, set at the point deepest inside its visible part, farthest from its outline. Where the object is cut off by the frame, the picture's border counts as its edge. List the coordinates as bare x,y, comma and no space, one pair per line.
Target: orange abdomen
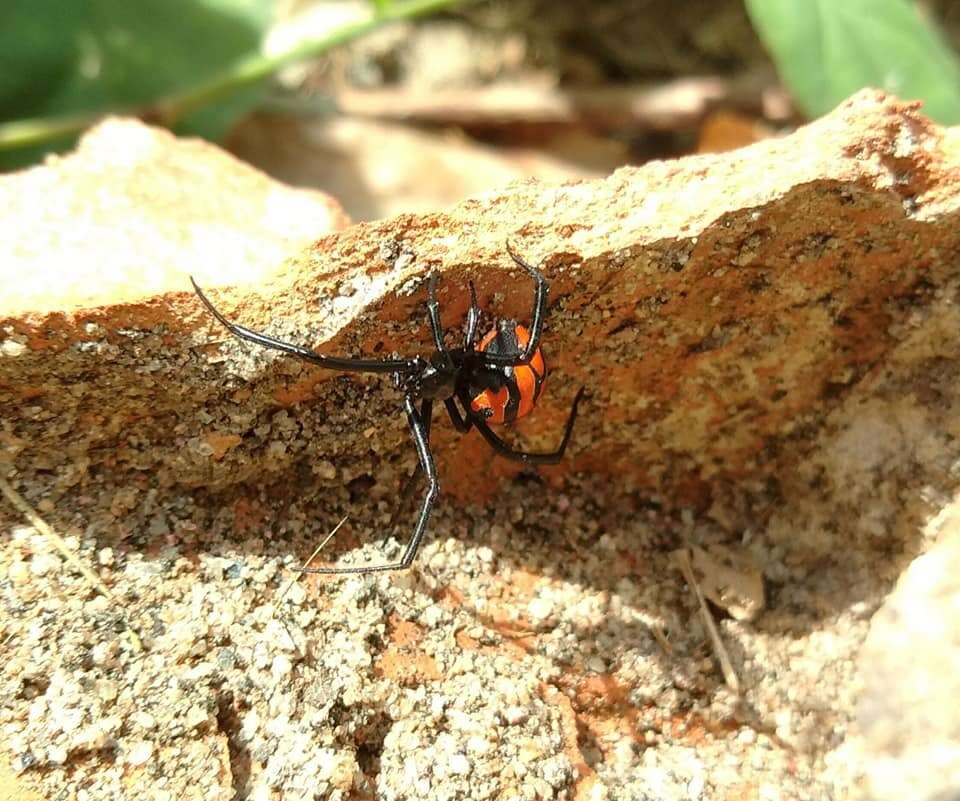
519,395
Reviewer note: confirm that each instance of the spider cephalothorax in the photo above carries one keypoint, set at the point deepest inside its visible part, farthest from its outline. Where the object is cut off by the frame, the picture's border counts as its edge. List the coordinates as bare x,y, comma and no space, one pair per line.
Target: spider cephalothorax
496,381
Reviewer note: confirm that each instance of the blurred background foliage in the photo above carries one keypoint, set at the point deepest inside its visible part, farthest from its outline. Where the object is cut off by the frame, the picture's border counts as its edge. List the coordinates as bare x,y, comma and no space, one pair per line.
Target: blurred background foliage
825,50
595,84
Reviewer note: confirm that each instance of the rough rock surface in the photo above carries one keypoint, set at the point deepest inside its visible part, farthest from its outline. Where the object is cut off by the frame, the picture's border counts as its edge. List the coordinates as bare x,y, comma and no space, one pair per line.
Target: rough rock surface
770,340
907,736
132,211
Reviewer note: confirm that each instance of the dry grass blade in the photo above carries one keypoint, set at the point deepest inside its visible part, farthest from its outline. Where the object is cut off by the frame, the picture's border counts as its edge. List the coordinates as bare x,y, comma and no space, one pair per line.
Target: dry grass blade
40,525
685,564
297,577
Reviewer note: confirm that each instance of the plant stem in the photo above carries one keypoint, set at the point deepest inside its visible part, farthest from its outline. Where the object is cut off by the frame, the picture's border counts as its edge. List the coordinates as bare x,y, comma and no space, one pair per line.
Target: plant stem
169,110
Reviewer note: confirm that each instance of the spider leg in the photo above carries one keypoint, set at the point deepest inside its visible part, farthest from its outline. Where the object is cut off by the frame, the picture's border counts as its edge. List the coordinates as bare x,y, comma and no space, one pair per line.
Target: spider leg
433,310
473,319
551,457
461,423
329,362
540,293
421,438
410,482
405,491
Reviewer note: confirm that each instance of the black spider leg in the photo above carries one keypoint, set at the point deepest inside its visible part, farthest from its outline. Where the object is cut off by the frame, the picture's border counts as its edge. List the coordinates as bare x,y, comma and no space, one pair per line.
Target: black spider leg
433,310
410,481
421,438
329,362
461,423
539,310
473,319
501,447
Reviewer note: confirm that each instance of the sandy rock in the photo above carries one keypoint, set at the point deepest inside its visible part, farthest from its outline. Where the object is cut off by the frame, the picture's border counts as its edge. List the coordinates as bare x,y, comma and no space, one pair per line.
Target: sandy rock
910,663
716,307
123,218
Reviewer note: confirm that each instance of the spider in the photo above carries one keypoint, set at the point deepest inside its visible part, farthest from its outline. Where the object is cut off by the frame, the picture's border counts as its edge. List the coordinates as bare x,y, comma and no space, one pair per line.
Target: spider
498,380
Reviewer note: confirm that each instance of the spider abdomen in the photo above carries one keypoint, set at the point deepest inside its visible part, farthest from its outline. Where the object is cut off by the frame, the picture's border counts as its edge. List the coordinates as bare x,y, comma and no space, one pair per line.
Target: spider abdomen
521,385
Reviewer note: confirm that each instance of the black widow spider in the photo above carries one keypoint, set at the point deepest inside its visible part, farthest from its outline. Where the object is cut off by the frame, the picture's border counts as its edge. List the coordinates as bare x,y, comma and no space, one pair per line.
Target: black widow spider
498,381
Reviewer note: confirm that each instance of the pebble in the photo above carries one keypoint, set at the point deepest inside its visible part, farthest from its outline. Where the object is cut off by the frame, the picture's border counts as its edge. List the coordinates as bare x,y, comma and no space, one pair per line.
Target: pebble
43,563
325,470
12,348
196,716
540,608
281,667
459,764
226,658
140,752
104,653
296,595
145,720
106,690
23,761
18,572
514,715
57,755
596,664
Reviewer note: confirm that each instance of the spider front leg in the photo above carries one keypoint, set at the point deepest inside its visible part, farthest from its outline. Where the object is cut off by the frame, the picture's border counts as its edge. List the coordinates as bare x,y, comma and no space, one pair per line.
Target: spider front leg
473,319
420,427
329,362
540,293
550,457
433,311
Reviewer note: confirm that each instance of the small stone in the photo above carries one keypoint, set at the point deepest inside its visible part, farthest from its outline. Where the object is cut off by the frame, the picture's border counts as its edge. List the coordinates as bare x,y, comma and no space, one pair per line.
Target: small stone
226,658
196,716
105,556
280,667
23,761
106,690
140,752
596,664
43,563
22,534
540,608
18,573
431,616
145,720
459,765
557,771
95,736
97,604
104,653
56,755
515,715
297,594
11,348
325,470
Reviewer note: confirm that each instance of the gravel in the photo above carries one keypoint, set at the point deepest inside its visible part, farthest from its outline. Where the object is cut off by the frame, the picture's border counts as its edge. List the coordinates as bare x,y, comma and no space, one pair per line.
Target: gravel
514,661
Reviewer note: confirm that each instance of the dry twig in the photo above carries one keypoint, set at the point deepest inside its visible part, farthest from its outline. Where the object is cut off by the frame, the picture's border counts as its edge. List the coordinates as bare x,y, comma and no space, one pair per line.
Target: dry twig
685,564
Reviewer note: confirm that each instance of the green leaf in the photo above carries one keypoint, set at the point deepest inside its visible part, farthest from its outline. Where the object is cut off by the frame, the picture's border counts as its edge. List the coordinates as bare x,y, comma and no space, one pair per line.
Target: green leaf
62,57
193,64
38,53
825,50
